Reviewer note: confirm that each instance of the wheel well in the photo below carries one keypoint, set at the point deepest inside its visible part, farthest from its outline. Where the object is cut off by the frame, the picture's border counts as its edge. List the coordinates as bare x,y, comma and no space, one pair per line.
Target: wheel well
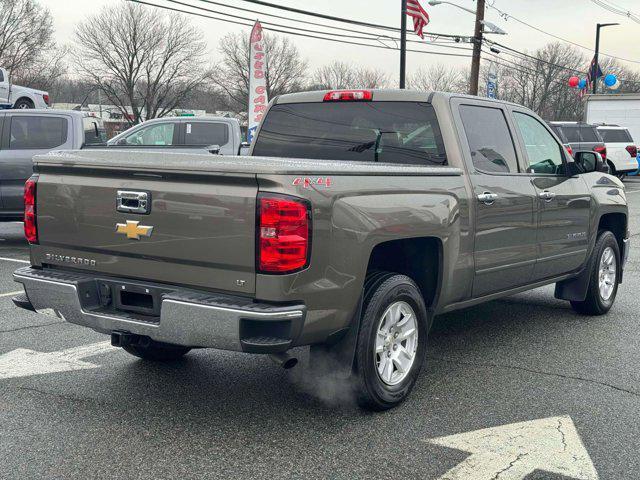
24,98
417,258
616,223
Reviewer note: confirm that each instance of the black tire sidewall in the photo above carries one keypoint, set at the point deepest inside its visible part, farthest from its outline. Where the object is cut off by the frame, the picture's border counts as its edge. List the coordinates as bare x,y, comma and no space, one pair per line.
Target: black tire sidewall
606,239
392,289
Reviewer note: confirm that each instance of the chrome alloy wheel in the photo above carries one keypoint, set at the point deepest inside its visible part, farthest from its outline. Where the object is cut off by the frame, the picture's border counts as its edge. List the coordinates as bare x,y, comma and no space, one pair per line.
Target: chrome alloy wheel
396,343
607,274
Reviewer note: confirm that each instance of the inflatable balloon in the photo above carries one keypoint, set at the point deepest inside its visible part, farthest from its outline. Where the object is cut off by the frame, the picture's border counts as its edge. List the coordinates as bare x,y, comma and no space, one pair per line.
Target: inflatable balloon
616,85
610,80
573,82
582,84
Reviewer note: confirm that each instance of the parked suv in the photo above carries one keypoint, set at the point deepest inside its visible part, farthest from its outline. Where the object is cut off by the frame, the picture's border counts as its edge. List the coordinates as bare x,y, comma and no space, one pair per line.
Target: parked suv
579,136
622,151
26,133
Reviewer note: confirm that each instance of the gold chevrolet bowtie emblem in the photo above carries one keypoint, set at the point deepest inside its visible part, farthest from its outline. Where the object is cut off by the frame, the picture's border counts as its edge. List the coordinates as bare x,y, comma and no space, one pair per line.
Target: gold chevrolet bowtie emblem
133,230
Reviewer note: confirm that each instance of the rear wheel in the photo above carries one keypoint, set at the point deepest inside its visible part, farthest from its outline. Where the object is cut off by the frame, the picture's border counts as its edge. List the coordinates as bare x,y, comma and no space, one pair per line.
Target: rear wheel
24,103
392,341
604,277
157,352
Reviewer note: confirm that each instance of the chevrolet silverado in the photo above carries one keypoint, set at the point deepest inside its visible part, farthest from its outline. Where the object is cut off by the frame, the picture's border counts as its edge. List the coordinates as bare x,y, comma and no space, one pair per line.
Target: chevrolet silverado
358,217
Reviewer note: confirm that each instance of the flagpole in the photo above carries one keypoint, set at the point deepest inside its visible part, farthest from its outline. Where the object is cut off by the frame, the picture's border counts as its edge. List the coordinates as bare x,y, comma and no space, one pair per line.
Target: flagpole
403,44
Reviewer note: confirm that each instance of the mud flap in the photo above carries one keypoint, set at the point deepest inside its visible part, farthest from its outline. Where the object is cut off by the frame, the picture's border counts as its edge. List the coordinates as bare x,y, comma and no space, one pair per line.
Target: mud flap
575,289
336,356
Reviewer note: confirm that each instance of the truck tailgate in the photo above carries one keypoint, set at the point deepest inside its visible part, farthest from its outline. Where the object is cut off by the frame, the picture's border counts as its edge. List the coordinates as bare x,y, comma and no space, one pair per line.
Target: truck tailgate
202,235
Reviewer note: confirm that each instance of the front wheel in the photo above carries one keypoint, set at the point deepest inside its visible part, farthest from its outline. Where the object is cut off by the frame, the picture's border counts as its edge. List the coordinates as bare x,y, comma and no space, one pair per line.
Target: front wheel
604,277
392,341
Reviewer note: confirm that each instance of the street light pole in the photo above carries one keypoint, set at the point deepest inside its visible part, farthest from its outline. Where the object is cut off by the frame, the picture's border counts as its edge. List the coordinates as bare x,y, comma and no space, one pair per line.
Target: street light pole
594,72
403,44
477,49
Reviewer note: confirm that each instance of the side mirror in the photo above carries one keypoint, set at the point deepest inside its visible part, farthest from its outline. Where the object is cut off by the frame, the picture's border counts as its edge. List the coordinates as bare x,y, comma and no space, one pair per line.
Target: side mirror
213,149
589,161
244,149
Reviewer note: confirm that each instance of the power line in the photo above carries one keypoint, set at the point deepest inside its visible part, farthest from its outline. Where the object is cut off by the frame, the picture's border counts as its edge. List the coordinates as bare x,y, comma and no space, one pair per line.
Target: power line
384,47
618,10
507,16
337,19
370,36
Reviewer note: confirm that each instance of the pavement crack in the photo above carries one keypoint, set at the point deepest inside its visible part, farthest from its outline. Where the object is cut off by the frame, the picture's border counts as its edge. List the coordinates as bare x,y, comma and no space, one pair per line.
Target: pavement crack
60,396
562,437
540,372
508,467
32,327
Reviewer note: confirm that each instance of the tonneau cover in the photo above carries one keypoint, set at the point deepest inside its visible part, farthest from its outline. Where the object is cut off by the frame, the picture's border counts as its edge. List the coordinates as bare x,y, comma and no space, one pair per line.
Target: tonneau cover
135,160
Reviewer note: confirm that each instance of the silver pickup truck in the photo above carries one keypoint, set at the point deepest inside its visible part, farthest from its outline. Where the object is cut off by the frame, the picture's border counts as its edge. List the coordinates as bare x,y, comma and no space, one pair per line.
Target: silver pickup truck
396,207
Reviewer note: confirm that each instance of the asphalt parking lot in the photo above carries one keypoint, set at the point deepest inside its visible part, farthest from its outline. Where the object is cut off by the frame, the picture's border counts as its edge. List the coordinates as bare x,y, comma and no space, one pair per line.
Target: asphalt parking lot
98,412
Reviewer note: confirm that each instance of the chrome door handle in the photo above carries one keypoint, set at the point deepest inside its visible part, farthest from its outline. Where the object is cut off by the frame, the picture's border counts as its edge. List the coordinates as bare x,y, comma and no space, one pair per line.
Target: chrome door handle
488,198
547,196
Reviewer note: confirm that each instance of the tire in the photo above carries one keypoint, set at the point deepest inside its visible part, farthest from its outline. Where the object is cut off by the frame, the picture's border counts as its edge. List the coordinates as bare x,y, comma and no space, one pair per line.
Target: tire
600,300
157,352
395,295
23,103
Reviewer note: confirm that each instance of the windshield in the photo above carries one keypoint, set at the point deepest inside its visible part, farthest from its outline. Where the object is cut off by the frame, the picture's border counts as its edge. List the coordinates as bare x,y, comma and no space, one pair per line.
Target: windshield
390,132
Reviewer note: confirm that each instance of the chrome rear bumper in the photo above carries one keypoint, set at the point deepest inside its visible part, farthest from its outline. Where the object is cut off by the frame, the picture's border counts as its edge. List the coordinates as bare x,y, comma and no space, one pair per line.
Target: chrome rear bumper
186,317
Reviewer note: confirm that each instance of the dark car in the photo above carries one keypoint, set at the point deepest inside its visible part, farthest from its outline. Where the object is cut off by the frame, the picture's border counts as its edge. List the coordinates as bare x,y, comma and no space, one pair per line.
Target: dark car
579,136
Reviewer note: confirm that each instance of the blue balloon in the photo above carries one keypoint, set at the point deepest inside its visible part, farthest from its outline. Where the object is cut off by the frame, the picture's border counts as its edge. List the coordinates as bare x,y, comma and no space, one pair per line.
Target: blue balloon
610,80
582,84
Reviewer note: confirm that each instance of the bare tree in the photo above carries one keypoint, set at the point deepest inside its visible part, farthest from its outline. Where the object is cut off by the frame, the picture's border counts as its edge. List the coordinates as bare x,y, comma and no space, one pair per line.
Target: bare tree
441,78
285,69
144,62
335,76
27,48
371,78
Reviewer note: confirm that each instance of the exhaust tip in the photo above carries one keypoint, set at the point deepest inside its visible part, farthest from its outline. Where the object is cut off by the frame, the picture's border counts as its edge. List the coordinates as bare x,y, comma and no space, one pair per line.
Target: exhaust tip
284,360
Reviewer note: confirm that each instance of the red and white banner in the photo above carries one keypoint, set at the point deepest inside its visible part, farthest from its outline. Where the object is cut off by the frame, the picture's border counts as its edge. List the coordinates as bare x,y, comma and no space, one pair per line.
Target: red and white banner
258,98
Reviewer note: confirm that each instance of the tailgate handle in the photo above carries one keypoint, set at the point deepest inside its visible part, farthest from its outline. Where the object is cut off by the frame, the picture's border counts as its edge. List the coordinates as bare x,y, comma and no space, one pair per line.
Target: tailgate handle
128,201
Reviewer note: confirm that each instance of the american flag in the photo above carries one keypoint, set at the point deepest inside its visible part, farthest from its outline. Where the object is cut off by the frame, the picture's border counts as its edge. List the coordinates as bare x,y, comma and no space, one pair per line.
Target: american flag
420,16
592,76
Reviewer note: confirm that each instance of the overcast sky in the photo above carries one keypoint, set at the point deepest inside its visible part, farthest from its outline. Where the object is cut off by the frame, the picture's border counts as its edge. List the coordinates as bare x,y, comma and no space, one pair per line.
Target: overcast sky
571,19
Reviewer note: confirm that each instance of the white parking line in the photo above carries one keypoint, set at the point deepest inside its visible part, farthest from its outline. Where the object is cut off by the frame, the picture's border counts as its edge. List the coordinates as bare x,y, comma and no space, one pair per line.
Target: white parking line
14,260
9,294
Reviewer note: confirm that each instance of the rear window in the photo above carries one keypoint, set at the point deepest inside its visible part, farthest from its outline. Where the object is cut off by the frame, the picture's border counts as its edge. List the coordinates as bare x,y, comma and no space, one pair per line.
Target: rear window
94,131
581,133
615,136
206,133
389,132
33,132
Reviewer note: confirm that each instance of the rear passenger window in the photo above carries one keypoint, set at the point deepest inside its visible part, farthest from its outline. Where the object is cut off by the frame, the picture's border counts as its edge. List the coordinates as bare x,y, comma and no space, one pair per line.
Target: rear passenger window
206,133
490,142
615,136
31,132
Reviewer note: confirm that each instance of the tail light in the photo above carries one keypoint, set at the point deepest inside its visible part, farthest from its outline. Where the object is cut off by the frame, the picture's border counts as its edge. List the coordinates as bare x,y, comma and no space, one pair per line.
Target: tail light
633,150
602,150
284,234
45,97
349,96
569,149
30,226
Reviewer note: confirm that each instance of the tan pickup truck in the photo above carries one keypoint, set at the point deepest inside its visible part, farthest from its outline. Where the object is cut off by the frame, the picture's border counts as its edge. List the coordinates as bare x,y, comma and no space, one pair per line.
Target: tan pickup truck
359,216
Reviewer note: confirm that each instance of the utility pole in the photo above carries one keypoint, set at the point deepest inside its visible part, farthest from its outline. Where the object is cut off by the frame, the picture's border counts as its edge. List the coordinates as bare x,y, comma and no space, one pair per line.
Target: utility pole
477,49
594,72
403,44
